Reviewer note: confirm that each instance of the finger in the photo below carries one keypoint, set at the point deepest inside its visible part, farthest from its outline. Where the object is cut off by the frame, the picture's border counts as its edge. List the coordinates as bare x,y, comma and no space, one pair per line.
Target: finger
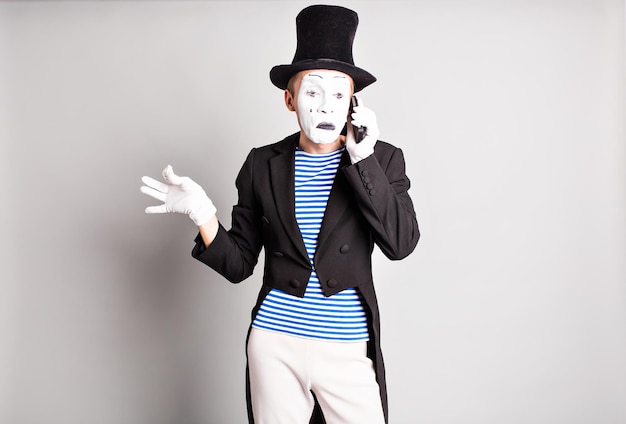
157,185
153,193
170,177
359,122
156,209
363,118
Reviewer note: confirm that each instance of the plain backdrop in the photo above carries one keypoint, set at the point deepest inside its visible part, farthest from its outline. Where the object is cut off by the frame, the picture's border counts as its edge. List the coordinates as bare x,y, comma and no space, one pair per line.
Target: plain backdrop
510,113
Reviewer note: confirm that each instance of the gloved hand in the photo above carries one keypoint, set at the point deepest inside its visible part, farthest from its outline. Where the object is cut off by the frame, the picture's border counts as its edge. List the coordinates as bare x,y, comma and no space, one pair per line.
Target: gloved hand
179,194
363,117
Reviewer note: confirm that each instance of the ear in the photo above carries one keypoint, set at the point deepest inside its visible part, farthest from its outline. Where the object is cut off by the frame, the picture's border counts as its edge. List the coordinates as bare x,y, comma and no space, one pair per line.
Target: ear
289,101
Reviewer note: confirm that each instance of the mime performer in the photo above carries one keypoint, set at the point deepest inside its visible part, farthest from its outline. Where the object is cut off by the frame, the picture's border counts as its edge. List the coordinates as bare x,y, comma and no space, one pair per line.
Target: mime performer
317,202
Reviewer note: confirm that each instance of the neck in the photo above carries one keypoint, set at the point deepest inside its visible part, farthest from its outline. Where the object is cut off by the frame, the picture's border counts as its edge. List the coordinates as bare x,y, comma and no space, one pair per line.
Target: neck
316,148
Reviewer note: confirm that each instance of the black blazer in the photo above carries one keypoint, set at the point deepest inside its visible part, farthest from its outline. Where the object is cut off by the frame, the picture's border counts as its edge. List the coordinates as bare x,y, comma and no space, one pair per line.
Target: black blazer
368,205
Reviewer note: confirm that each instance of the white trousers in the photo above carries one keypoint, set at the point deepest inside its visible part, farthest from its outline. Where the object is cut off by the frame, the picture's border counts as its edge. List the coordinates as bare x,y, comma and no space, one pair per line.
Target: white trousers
284,370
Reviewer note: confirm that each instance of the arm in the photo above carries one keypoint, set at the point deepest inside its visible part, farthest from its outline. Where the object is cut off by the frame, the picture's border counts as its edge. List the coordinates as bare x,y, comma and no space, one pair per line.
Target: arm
381,186
381,191
234,253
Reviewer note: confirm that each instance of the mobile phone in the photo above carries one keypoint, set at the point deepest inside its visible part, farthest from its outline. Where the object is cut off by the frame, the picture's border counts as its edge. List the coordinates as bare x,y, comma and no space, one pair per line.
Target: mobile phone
359,132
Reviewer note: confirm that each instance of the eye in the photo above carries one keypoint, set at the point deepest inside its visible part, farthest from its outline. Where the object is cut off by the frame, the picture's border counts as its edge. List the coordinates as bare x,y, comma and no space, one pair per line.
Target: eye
311,93
339,95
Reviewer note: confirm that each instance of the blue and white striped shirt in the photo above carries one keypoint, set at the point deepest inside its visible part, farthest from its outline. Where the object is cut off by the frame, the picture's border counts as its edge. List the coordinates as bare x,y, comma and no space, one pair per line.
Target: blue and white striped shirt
339,317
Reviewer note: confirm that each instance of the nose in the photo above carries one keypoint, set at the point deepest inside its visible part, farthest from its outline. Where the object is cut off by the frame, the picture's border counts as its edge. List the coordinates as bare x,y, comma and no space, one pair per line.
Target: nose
325,106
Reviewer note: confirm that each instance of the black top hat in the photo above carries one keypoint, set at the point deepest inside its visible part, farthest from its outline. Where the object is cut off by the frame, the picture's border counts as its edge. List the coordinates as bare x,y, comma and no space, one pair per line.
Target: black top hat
324,41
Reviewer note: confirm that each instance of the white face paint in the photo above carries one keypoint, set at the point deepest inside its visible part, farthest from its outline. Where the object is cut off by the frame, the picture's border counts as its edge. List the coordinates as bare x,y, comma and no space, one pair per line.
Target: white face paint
323,103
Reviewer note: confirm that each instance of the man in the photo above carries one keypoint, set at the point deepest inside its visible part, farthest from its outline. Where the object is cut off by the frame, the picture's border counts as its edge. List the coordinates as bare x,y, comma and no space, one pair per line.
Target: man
317,202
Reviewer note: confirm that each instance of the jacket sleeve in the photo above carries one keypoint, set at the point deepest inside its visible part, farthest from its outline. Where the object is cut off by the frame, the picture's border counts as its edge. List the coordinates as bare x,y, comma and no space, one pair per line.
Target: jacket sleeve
234,253
381,189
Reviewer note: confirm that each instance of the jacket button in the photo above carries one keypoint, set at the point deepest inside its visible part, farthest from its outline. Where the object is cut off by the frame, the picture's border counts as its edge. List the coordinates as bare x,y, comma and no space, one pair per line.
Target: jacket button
278,254
372,192
365,173
344,248
331,283
294,284
265,220
370,186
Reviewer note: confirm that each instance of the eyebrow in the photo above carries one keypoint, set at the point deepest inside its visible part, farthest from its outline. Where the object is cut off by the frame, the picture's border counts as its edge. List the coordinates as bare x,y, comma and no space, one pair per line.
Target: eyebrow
321,77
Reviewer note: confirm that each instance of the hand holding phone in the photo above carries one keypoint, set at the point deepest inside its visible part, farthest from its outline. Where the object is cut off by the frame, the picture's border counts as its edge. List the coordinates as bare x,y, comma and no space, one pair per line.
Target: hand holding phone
365,131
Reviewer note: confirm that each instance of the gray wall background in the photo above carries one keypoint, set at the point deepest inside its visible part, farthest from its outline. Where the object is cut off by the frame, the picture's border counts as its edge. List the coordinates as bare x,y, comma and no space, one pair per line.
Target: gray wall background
511,116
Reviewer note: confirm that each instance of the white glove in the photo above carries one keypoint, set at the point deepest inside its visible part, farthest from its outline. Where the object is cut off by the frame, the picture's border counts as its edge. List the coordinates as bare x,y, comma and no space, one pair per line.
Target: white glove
362,117
179,194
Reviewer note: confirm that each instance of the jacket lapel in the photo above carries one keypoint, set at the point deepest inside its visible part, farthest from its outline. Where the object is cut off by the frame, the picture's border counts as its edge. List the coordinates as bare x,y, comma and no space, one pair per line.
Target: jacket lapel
282,172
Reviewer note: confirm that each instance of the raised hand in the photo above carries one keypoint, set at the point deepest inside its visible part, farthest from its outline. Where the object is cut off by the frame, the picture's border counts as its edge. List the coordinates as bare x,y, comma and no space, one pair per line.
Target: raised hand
179,195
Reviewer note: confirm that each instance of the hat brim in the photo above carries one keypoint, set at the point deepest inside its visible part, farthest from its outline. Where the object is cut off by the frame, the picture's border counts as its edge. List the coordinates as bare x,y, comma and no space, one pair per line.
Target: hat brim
280,74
